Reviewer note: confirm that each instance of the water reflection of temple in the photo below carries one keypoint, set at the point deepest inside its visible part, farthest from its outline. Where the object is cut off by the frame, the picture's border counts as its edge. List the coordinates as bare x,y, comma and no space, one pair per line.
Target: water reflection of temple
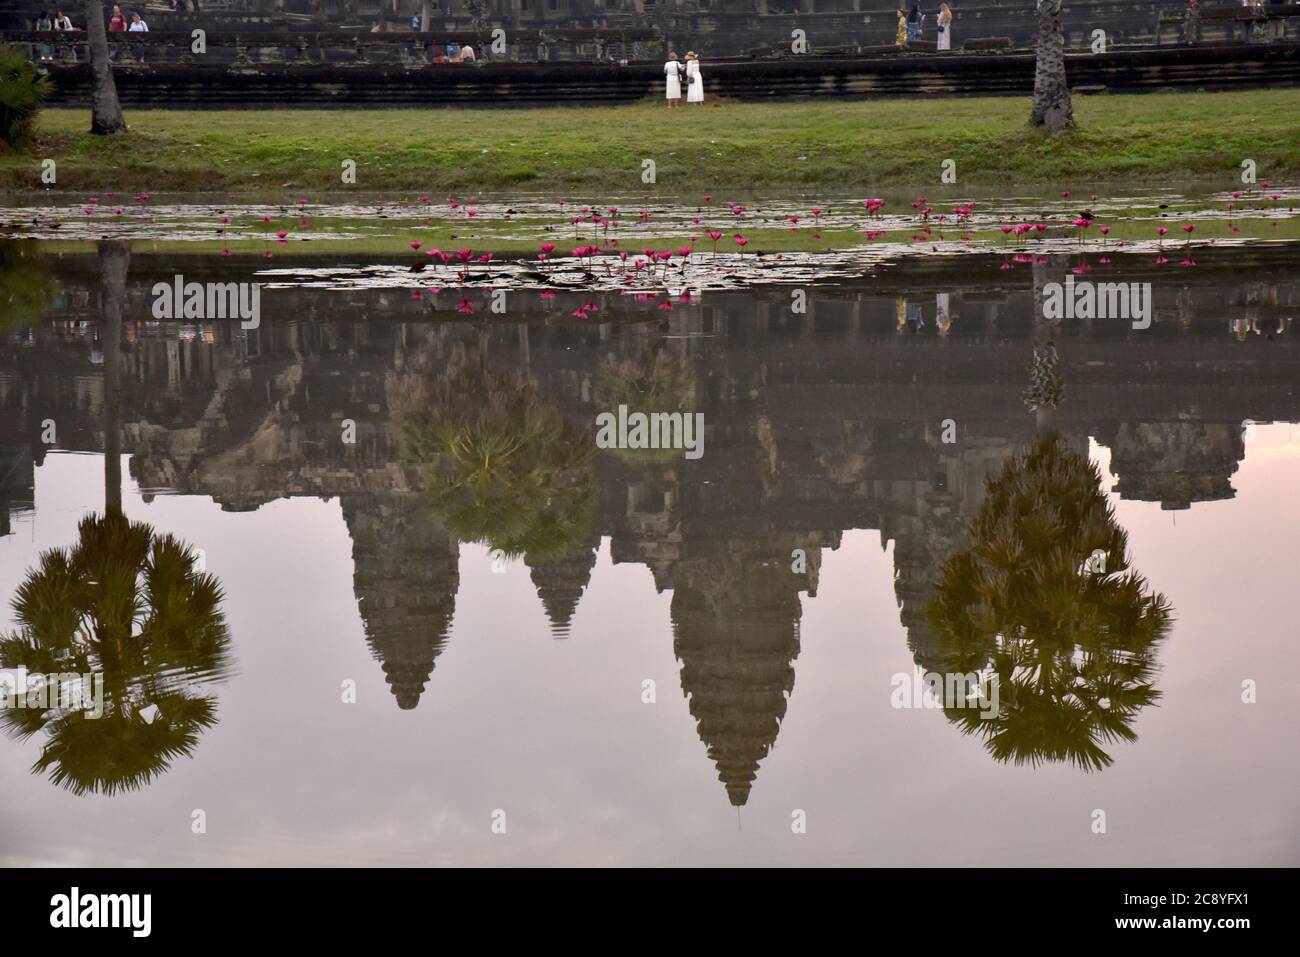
815,424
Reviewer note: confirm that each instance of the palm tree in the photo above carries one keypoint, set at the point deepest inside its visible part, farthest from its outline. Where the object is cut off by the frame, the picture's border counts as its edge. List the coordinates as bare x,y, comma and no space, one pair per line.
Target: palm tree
1052,108
1045,389
501,467
105,108
1044,599
133,609
114,261
654,380
27,288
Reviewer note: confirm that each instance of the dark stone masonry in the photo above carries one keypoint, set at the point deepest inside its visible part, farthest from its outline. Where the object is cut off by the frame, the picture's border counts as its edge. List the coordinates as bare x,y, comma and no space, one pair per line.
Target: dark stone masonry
592,51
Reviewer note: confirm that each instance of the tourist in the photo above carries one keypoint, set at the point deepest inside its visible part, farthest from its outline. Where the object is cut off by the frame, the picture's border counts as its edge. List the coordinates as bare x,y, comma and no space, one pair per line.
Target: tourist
914,21
138,26
117,22
453,52
901,38
466,54
942,312
1192,22
44,51
694,79
62,24
673,75
945,27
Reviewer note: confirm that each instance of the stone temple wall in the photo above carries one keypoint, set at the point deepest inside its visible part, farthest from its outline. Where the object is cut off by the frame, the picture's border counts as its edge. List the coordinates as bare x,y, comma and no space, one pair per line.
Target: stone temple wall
715,28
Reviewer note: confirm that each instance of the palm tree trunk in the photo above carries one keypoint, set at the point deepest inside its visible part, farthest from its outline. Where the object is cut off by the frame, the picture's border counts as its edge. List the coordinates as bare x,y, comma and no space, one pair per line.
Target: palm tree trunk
114,259
105,110
1052,108
1045,386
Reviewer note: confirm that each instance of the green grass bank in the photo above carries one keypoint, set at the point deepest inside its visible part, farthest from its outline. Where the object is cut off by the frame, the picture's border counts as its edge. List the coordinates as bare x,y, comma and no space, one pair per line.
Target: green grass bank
819,146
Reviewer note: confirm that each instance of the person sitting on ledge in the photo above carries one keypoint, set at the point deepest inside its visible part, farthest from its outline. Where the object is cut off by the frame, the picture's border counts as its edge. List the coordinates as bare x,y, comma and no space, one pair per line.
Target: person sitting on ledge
62,23
44,52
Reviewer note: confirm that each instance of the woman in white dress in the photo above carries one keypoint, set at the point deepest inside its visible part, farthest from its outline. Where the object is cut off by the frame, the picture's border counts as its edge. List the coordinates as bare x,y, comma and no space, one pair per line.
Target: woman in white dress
945,27
672,72
694,79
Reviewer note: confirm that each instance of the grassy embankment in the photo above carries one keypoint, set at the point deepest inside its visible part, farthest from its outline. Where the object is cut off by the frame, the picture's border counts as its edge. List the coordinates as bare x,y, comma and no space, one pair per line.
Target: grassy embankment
774,149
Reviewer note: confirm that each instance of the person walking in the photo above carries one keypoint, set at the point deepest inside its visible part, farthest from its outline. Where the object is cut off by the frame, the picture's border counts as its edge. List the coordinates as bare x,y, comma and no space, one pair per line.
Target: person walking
673,78
694,79
945,27
914,20
900,39
138,26
117,22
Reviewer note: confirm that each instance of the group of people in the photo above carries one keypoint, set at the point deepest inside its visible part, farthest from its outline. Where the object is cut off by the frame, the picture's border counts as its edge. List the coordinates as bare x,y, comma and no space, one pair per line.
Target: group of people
911,22
61,23
117,22
678,74
441,52
58,23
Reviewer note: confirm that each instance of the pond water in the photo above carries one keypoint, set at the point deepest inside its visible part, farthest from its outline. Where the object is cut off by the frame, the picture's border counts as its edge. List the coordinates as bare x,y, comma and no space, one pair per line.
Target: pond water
412,612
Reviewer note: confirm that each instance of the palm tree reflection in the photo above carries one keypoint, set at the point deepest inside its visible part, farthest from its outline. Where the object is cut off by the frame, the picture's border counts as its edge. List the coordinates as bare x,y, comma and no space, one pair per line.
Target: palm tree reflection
502,467
1046,600
132,608
27,287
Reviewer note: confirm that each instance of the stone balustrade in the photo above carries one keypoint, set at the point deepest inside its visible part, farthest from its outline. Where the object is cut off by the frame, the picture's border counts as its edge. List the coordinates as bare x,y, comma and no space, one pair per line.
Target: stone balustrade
253,46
